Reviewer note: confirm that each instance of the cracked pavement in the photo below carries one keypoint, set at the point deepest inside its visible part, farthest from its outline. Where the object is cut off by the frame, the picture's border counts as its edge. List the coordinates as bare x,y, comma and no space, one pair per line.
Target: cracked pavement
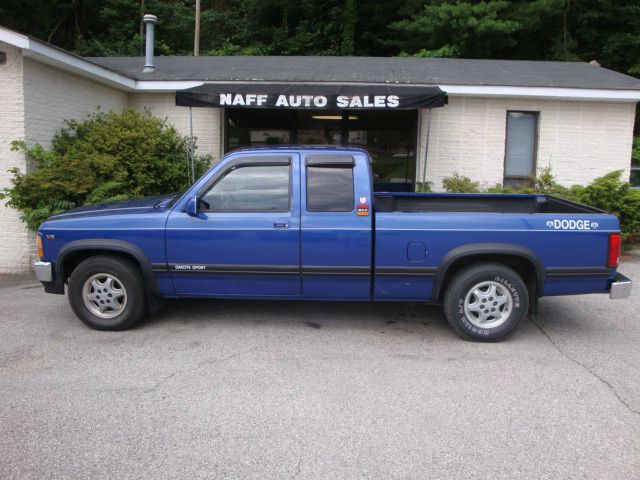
306,390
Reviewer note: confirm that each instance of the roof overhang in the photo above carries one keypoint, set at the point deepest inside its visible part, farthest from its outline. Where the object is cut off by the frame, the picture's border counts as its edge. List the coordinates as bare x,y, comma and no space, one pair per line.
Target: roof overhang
56,57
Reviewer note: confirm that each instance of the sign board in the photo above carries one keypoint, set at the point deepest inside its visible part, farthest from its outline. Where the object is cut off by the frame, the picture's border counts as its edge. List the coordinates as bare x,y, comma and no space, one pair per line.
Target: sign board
312,96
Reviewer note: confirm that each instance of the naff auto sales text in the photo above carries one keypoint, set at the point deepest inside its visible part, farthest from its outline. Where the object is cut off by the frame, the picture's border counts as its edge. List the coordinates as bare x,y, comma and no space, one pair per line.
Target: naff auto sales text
317,101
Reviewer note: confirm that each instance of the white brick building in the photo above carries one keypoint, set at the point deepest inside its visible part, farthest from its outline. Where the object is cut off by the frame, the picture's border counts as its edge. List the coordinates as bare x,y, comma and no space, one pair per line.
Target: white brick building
503,120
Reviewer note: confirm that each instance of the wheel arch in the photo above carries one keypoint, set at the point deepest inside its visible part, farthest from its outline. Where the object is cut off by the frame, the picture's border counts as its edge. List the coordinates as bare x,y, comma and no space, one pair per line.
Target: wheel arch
71,254
522,259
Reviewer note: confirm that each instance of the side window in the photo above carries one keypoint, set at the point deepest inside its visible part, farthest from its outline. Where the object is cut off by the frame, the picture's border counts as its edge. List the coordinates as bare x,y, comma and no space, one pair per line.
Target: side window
520,150
251,188
330,188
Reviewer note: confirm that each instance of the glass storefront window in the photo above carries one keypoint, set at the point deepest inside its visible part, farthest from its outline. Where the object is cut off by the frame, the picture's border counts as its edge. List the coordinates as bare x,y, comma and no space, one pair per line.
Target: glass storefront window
319,128
256,127
389,136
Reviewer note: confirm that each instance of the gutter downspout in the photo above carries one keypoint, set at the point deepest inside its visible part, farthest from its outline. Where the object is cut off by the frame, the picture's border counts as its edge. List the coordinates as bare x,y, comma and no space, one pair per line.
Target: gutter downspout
191,165
426,152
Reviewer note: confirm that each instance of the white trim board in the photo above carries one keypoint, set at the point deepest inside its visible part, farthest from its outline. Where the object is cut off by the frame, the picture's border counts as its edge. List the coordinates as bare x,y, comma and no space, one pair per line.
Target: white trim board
59,58
543,92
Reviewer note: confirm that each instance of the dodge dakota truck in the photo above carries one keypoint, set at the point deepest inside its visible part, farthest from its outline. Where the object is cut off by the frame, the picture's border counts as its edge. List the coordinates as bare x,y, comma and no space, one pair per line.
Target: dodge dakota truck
303,223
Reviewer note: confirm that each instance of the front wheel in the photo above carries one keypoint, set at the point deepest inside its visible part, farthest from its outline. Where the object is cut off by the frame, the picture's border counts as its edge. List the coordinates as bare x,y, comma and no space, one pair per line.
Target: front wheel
486,302
107,293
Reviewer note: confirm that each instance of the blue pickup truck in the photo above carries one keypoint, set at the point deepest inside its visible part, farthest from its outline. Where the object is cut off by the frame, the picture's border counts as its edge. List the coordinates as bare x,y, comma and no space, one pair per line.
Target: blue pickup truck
303,223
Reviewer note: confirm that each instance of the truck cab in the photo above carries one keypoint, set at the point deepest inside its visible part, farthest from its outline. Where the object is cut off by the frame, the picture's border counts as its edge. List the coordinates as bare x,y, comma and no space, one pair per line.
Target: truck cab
288,223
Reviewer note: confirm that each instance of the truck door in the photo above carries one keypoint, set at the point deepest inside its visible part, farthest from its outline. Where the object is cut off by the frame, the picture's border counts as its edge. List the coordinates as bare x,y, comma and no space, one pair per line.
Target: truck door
245,238
336,226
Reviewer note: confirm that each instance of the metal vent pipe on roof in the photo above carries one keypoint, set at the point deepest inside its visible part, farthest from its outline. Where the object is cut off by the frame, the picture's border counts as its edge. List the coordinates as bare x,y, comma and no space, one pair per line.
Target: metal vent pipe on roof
150,23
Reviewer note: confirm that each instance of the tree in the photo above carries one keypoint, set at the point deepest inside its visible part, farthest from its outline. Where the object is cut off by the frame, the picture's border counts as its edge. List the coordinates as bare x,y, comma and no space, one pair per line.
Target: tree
459,29
607,31
604,30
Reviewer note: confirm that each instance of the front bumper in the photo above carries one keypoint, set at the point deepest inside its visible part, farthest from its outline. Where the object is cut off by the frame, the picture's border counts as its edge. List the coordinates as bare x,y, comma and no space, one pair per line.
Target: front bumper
621,288
44,271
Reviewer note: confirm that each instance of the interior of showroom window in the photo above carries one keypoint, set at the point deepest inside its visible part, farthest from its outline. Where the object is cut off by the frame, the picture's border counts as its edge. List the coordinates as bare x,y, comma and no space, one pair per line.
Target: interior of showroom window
389,136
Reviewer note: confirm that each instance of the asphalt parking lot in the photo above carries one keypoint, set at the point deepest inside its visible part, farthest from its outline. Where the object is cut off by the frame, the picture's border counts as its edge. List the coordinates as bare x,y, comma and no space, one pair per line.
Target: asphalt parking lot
231,389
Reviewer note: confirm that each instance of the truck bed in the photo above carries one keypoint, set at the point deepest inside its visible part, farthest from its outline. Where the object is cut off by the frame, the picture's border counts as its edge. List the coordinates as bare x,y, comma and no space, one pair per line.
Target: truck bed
478,203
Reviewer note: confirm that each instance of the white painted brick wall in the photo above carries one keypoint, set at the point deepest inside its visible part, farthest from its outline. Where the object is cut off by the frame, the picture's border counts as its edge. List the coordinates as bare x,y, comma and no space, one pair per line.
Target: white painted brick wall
206,121
53,96
580,140
35,99
14,236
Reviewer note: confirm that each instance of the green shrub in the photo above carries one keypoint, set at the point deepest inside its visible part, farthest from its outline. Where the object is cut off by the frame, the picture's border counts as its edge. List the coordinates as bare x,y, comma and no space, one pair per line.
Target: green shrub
426,187
613,195
635,153
545,181
498,188
608,193
108,156
460,184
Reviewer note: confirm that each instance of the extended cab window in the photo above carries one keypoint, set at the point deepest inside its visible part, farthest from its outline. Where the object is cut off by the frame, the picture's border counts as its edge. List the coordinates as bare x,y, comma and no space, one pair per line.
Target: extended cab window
330,184
251,188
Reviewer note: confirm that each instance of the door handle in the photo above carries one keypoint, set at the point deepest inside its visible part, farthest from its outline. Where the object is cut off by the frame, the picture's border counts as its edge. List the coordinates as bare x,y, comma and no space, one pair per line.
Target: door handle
281,224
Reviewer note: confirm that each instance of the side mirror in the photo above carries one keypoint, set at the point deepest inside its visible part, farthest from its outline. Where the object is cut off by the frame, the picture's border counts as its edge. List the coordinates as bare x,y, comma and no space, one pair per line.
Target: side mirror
191,208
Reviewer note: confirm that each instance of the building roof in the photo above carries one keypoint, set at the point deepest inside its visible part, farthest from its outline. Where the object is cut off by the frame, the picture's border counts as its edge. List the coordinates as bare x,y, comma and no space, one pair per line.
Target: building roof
484,78
395,70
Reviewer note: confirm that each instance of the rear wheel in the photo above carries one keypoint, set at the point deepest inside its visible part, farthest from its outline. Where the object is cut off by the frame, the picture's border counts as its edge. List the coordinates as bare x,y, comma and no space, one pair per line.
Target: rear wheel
486,302
107,292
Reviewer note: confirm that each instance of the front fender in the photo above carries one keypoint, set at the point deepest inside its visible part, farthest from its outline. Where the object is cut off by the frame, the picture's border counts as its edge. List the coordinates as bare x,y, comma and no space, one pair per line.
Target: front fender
107,245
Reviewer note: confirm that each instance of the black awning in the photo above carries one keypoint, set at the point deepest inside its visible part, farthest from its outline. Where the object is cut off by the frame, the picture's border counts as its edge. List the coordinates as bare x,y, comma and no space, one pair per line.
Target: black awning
311,96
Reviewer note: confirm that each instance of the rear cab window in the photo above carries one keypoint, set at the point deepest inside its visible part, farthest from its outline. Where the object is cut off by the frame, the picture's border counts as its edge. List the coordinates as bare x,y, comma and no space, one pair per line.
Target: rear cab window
330,183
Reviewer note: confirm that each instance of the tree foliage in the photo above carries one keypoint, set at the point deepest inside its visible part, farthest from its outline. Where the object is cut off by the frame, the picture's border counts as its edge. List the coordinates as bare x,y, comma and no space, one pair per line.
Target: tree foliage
108,156
454,29
602,30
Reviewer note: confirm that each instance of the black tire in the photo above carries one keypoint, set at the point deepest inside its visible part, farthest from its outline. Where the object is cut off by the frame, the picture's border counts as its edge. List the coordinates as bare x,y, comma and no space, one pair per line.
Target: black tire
468,302
105,278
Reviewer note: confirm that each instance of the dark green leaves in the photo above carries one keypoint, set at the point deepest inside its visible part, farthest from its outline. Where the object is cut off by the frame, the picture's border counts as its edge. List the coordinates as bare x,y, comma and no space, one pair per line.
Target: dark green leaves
108,156
602,30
